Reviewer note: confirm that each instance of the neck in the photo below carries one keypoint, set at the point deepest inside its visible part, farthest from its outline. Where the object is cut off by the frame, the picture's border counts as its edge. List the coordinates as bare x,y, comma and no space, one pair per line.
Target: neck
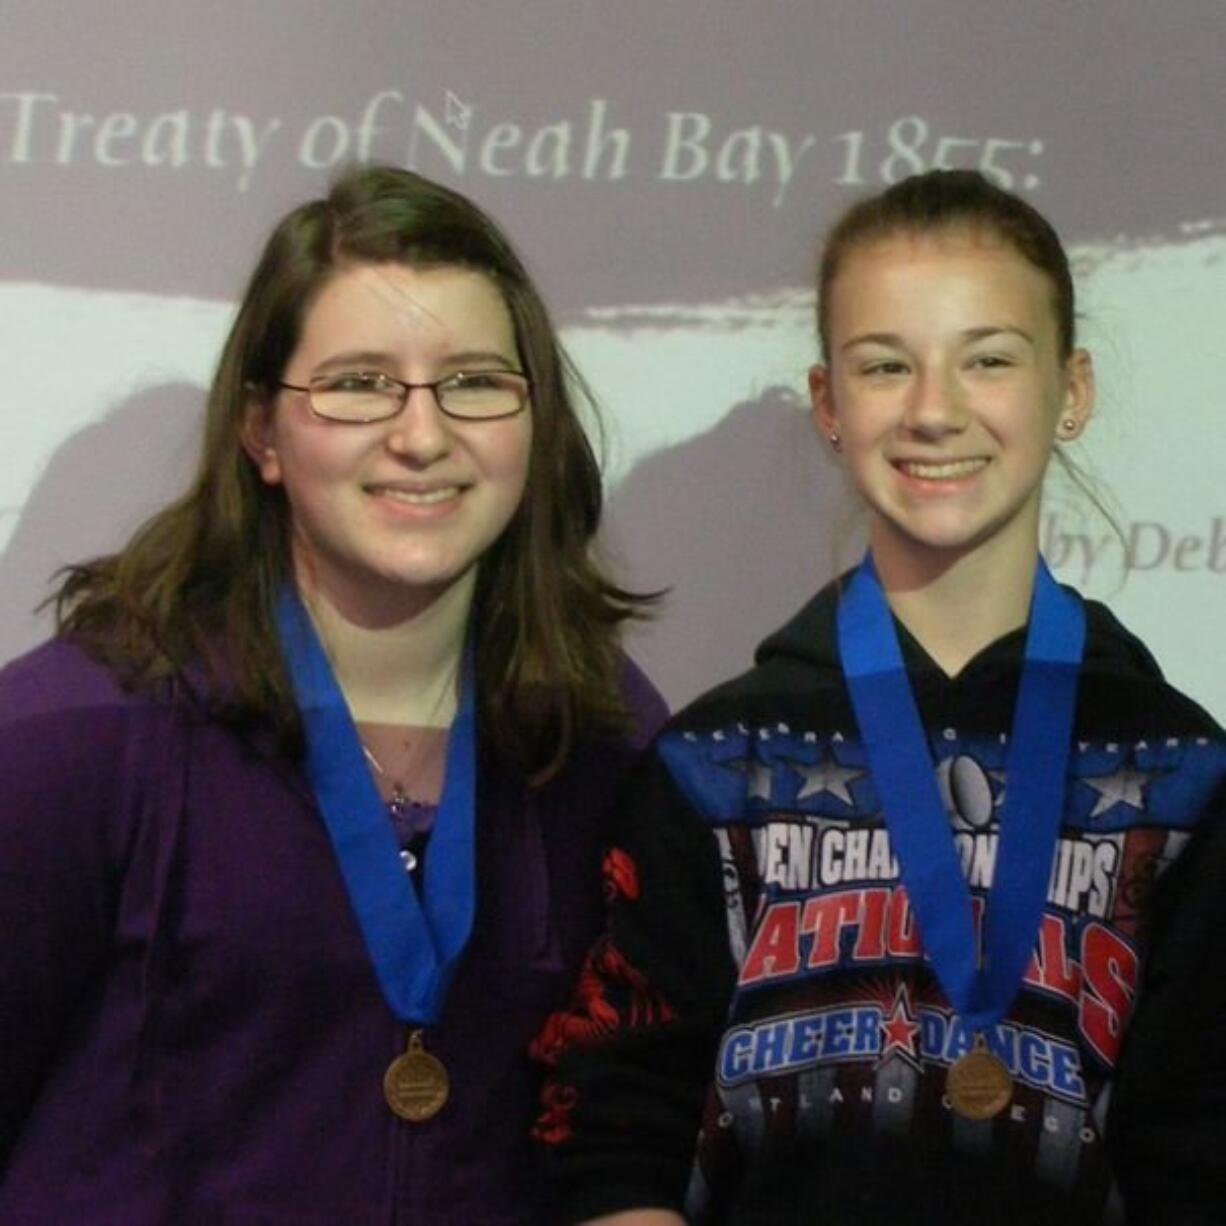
397,670
955,607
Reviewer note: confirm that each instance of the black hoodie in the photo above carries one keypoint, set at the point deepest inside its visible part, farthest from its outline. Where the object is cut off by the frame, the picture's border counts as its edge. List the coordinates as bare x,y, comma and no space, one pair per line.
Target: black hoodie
763,983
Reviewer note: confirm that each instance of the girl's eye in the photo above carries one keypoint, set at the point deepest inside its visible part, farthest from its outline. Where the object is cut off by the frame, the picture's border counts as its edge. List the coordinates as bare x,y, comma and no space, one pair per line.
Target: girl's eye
991,361
477,380
884,367
354,381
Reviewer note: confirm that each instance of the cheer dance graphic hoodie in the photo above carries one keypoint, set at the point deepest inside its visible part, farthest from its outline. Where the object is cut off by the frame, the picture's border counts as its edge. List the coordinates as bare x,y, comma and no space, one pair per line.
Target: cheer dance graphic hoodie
762,992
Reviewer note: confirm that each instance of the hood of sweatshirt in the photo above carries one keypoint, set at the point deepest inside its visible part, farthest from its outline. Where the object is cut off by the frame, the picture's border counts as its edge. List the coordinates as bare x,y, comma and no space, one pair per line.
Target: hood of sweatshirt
810,639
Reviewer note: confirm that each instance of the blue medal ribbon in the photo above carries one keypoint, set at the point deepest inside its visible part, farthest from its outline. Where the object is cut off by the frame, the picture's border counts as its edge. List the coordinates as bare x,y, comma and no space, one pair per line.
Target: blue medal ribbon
414,944
905,779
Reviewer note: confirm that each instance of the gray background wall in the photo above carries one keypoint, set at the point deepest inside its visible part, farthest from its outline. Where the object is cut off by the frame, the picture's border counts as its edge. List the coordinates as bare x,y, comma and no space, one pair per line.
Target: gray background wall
665,167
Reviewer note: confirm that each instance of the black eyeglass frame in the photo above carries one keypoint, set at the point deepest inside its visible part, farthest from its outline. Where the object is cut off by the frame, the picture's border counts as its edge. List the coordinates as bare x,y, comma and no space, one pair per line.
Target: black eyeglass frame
406,388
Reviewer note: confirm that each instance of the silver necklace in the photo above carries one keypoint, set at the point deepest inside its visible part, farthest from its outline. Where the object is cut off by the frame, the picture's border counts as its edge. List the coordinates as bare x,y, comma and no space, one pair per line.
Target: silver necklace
398,803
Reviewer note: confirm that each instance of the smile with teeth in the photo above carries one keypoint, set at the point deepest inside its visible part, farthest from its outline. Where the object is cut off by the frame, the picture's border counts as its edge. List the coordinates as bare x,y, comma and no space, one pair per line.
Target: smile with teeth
417,498
945,470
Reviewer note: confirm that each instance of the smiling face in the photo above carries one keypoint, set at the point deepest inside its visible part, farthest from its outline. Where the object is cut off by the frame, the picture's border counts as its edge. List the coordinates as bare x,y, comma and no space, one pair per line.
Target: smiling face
387,516
947,391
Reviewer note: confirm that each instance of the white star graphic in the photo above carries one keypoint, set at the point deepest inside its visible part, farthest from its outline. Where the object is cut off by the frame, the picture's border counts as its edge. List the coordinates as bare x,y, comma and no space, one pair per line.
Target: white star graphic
1125,787
760,775
760,778
825,776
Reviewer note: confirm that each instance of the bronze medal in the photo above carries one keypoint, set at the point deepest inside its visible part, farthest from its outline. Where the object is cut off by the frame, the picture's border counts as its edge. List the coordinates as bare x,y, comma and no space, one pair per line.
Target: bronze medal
416,1084
978,1085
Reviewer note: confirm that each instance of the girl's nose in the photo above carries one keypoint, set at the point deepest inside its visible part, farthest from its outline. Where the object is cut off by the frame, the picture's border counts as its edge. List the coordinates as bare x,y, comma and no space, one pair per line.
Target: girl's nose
935,404
420,433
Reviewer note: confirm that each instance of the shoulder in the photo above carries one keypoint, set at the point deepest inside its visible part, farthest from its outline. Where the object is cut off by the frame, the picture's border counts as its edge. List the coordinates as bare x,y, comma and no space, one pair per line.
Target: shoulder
67,722
795,672
598,760
59,678
1149,753
74,747
645,704
1122,682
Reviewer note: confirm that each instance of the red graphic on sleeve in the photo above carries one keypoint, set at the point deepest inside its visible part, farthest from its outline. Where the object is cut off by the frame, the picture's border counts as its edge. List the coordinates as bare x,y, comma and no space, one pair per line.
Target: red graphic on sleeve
611,996
621,878
558,1101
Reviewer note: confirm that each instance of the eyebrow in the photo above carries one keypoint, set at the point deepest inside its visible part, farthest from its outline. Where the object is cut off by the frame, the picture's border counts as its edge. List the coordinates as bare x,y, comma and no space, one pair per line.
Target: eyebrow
894,341
456,361
355,357
480,357
979,334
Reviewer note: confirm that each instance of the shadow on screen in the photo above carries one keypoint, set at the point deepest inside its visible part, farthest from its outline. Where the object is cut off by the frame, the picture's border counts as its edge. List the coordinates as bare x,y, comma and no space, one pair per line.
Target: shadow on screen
99,486
743,523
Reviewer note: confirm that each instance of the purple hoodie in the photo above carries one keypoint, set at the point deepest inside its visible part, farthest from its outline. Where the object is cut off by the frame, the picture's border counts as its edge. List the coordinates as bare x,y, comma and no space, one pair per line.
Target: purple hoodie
190,1028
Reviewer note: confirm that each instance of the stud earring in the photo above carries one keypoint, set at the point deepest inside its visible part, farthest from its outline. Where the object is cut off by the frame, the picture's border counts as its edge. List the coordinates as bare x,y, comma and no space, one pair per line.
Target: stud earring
1069,425
835,441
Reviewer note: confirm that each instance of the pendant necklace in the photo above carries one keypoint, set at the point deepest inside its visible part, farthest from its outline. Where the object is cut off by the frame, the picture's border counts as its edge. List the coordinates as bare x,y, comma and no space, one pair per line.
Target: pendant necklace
411,814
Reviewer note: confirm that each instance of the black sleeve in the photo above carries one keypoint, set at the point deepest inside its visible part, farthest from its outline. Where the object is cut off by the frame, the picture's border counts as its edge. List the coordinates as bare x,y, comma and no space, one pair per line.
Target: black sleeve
630,1060
1167,1122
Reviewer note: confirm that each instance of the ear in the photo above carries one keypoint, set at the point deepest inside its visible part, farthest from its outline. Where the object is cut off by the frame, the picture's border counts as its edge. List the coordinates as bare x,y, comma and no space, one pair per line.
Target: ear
1078,401
822,404
258,437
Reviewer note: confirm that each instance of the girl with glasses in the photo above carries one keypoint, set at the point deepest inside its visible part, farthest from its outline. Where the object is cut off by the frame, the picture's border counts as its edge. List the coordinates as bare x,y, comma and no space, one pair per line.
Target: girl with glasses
300,808
918,919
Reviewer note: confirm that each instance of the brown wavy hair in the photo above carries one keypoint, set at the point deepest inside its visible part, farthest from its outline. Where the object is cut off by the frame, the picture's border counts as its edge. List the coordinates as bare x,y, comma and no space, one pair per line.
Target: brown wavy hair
196,585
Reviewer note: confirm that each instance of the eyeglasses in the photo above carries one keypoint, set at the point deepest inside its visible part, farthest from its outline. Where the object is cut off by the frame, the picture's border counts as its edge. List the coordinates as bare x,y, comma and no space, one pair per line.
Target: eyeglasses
357,397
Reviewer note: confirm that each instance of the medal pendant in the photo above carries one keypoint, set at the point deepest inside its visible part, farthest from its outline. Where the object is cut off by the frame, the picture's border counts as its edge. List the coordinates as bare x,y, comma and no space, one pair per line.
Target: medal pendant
416,1084
978,1085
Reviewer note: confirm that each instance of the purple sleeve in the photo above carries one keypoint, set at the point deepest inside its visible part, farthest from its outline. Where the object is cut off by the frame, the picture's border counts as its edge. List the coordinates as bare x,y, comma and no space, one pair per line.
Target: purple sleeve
60,763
